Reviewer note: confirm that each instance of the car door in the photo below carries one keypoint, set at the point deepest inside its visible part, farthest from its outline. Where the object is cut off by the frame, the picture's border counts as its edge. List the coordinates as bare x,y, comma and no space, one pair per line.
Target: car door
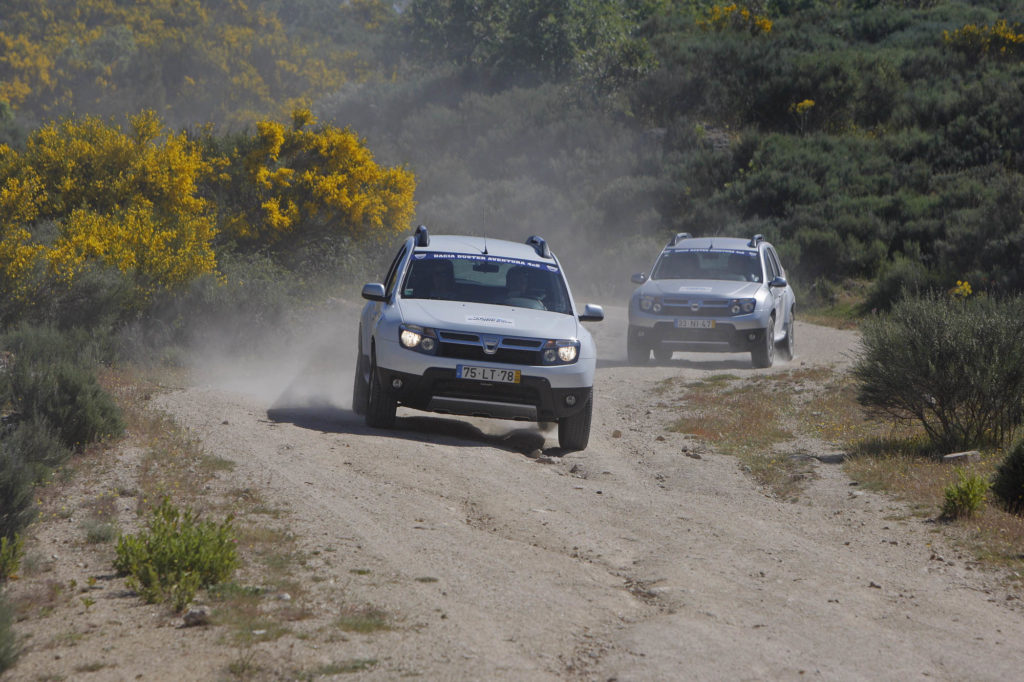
781,294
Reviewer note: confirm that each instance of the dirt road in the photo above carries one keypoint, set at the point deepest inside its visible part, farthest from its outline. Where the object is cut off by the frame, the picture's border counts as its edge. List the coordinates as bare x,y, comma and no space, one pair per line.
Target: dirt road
633,560
494,556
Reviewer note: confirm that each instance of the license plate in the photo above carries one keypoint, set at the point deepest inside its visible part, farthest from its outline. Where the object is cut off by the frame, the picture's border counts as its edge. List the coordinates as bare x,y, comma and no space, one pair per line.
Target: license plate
695,324
505,376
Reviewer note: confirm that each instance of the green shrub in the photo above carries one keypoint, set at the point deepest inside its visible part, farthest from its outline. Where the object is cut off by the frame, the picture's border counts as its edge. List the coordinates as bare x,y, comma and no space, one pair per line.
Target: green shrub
38,445
965,496
8,643
176,556
52,378
11,551
1008,484
17,484
952,366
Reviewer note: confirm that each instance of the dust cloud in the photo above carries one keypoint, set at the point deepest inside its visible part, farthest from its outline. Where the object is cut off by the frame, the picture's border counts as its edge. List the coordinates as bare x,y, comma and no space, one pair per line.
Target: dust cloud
308,366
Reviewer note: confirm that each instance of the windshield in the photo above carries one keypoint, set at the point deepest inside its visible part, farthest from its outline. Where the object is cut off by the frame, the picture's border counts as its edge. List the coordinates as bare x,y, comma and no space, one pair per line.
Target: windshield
736,266
487,279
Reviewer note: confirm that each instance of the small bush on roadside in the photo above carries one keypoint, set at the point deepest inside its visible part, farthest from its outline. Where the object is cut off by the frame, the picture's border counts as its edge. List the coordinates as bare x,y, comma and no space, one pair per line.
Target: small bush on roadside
12,549
953,366
38,445
52,378
1008,484
966,496
176,556
8,643
17,484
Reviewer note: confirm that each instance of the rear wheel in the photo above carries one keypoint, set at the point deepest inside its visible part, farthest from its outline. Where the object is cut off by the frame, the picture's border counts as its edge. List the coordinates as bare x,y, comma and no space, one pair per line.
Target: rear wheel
380,407
574,430
637,351
763,354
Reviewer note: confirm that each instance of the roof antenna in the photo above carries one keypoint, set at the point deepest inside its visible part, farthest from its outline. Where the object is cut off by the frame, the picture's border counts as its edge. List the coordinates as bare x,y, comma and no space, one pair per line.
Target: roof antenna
485,246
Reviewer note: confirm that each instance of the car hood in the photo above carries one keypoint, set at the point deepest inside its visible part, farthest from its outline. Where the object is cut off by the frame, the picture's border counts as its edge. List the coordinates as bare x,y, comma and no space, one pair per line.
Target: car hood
706,288
481,318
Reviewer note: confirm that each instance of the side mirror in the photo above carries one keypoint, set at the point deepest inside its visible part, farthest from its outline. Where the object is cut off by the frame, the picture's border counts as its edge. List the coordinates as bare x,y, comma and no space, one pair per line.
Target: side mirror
778,282
374,292
638,278
592,313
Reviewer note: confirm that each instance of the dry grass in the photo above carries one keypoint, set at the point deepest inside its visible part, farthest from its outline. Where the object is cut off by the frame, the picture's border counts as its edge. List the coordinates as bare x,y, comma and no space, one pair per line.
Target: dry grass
759,419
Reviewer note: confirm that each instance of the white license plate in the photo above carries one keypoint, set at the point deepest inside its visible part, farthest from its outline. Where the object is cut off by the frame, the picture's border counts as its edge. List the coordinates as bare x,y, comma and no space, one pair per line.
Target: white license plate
505,376
695,324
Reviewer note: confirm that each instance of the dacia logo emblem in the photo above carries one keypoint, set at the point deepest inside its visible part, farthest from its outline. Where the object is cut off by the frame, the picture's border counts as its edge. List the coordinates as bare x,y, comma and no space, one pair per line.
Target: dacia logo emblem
490,344
695,306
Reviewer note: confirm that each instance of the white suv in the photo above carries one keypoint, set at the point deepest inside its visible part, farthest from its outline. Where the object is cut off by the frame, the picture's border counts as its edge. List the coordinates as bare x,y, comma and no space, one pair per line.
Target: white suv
712,294
480,327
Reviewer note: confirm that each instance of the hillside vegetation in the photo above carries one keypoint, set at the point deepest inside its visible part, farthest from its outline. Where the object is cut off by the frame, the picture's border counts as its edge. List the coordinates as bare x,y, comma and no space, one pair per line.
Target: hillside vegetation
172,167
876,139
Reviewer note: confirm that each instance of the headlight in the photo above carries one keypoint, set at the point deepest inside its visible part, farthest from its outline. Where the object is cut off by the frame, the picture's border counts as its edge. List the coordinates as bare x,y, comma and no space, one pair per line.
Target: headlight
742,306
646,302
409,338
560,352
418,339
656,307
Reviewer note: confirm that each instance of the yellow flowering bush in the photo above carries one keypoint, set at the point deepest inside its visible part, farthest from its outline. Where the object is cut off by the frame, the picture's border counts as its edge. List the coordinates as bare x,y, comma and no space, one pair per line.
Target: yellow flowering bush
962,290
735,18
122,199
221,60
305,180
999,40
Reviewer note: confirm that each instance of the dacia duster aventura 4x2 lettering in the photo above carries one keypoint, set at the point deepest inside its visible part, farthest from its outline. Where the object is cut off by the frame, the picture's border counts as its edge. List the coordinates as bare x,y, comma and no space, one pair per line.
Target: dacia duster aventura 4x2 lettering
478,327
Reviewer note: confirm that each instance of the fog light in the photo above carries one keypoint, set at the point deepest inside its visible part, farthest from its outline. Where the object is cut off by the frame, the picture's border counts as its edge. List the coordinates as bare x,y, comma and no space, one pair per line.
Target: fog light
396,383
570,400
751,336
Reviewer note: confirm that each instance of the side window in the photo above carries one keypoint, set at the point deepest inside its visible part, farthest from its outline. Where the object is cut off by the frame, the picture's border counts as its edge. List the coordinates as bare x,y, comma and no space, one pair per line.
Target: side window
775,263
770,265
392,276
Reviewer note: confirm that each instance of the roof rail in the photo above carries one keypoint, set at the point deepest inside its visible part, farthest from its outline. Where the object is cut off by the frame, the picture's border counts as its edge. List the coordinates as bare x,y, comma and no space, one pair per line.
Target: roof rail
539,245
422,236
755,240
680,237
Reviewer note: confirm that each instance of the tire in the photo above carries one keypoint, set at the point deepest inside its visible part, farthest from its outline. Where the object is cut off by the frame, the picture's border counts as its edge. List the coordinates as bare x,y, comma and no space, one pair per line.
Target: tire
787,349
360,387
574,430
662,354
637,352
763,354
380,406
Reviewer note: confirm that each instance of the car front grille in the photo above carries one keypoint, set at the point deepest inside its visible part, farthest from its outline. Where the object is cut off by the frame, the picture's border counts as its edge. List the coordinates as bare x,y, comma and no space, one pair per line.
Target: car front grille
695,307
510,350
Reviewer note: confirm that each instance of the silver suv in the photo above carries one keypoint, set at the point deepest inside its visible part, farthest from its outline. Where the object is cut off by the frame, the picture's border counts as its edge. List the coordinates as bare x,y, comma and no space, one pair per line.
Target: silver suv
712,294
480,327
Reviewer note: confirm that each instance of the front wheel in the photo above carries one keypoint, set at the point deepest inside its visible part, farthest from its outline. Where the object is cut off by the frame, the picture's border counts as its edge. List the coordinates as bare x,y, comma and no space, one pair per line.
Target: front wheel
763,354
637,352
380,406
662,354
360,386
788,347
574,430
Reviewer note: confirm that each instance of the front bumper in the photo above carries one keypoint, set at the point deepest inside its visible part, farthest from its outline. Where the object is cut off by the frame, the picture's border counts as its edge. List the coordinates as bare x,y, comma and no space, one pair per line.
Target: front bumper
438,390
724,338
